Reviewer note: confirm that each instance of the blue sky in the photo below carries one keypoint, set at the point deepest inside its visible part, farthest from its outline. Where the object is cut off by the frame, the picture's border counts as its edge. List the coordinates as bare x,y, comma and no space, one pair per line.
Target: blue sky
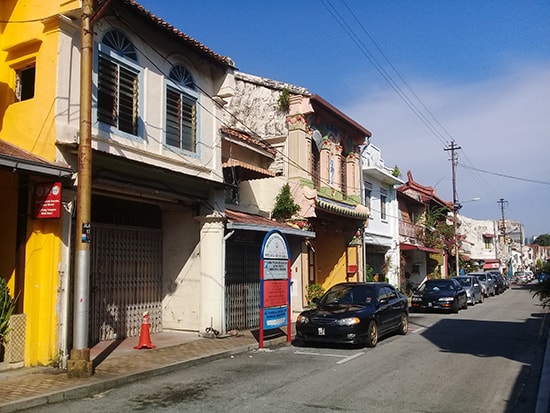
417,74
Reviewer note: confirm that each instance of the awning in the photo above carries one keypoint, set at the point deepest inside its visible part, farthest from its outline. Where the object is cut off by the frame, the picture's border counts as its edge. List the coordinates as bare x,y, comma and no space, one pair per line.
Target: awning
354,211
410,247
19,160
240,220
247,171
491,264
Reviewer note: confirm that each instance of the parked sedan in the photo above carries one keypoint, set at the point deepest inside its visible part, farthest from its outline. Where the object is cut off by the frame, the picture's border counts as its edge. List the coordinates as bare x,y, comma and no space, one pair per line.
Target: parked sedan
444,294
499,281
473,288
487,283
354,313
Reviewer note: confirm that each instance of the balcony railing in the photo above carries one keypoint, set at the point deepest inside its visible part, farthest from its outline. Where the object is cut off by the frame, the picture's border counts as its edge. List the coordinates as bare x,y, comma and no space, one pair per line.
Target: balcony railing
410,232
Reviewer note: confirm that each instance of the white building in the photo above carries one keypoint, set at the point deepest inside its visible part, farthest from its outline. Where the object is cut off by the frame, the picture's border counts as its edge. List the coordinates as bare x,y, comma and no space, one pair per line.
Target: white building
381,235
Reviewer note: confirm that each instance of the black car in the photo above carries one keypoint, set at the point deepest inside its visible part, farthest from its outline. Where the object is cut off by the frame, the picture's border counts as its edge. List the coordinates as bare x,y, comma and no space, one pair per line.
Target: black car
354,313
500,285
440,294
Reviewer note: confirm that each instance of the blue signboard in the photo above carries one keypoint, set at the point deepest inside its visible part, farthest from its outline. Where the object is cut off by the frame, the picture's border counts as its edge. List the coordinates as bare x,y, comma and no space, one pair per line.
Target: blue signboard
275,317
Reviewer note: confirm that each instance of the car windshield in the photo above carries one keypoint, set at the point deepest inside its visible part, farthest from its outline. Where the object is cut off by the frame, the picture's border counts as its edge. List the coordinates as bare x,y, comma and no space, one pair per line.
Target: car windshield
349,294
437,286
465,282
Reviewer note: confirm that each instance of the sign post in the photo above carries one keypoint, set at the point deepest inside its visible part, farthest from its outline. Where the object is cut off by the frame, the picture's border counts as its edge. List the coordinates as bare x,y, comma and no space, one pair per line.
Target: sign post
275,280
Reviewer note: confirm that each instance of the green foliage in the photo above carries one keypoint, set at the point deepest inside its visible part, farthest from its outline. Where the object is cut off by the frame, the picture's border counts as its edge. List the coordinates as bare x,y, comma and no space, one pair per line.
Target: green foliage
314,291
396,172
7,306
438,234
369,276
542,291
543,240
284,101
285,207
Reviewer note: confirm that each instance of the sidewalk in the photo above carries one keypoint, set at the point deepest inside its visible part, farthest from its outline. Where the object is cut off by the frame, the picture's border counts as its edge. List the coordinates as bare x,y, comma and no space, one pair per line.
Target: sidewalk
117,362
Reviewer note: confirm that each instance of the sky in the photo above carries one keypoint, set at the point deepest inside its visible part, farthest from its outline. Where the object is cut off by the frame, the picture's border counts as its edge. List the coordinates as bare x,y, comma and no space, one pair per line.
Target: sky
419,75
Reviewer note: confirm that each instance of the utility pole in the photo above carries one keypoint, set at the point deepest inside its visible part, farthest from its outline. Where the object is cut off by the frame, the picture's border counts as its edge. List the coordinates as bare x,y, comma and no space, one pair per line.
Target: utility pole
79,364
502,228
456,205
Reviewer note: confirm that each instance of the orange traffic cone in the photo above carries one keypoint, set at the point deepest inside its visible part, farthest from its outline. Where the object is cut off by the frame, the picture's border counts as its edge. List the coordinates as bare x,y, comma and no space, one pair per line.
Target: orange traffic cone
144,335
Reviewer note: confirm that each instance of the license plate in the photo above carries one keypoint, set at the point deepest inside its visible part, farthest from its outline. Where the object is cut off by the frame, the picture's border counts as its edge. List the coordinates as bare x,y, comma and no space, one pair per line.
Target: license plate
321,331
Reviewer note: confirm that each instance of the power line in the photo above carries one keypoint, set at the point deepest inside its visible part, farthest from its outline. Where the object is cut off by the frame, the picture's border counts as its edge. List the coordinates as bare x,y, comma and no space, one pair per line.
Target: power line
534,181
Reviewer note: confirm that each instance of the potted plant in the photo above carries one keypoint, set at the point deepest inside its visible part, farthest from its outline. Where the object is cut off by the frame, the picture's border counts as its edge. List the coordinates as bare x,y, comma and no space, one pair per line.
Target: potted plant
7,306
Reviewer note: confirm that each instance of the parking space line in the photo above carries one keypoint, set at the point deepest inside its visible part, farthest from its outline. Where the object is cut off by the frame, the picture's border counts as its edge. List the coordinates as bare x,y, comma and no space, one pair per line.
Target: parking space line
350,358
345,359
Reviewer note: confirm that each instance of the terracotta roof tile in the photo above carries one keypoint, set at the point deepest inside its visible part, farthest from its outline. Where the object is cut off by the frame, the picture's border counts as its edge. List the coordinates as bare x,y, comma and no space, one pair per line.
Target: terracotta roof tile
245,137
179,34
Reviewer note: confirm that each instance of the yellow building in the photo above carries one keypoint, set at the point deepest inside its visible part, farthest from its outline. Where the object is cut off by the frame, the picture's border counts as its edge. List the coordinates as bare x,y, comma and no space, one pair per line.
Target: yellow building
35,211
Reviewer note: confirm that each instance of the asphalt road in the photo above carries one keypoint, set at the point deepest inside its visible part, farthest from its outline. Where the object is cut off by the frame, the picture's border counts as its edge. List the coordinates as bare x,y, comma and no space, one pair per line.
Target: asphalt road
484,359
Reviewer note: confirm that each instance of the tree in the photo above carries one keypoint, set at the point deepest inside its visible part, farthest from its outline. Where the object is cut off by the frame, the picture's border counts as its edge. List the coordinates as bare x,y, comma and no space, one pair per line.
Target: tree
543,240
542,289
285,207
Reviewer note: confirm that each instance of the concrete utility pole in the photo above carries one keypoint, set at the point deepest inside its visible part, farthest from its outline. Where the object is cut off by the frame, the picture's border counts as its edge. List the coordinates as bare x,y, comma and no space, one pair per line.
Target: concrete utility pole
502,228
456,205
79,364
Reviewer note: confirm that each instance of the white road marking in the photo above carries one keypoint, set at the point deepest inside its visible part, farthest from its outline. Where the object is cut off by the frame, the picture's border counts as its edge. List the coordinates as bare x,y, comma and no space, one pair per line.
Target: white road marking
350,358
345,359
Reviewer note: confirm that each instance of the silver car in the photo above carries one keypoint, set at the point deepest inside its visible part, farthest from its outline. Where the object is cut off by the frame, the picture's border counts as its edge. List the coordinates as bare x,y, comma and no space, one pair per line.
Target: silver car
473,288
487,283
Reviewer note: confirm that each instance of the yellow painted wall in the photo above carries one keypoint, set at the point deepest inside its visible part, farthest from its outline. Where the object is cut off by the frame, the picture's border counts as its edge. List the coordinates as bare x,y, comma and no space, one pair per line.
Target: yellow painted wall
30,124
330,247
31,35
41,284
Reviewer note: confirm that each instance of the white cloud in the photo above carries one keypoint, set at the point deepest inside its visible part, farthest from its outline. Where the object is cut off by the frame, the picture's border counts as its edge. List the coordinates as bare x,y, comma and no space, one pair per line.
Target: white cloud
502,125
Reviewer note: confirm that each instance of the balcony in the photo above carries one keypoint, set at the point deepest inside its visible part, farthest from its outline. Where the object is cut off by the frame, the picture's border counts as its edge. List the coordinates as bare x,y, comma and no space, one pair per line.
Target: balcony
410,232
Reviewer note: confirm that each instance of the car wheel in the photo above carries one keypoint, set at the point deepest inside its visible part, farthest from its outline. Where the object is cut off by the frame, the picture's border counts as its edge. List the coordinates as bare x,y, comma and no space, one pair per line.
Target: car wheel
404,326
372,334
454,307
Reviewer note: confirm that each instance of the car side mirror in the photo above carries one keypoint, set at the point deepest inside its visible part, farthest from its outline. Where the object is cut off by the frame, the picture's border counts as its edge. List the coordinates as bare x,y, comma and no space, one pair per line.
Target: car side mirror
383,301
316,300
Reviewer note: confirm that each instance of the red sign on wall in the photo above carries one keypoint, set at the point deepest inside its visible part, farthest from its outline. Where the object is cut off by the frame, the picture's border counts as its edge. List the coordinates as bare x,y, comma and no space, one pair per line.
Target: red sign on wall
47,200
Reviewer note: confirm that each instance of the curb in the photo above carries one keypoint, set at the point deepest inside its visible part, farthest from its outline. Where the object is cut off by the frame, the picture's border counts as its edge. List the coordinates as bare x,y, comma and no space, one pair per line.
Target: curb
79,392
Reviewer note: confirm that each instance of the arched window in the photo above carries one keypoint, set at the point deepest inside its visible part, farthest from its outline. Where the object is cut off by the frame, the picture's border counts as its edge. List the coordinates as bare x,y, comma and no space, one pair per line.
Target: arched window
181,110
117,84
181,75
120,44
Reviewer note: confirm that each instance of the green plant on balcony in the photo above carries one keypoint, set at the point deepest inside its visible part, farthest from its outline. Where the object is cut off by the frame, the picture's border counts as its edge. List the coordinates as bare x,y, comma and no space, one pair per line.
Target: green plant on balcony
283,102
285,207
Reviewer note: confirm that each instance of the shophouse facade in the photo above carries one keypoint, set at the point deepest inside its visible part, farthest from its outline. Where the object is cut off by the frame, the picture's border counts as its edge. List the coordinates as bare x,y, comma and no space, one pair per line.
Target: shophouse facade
381,235
157,225
418,260
479,242
318,155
